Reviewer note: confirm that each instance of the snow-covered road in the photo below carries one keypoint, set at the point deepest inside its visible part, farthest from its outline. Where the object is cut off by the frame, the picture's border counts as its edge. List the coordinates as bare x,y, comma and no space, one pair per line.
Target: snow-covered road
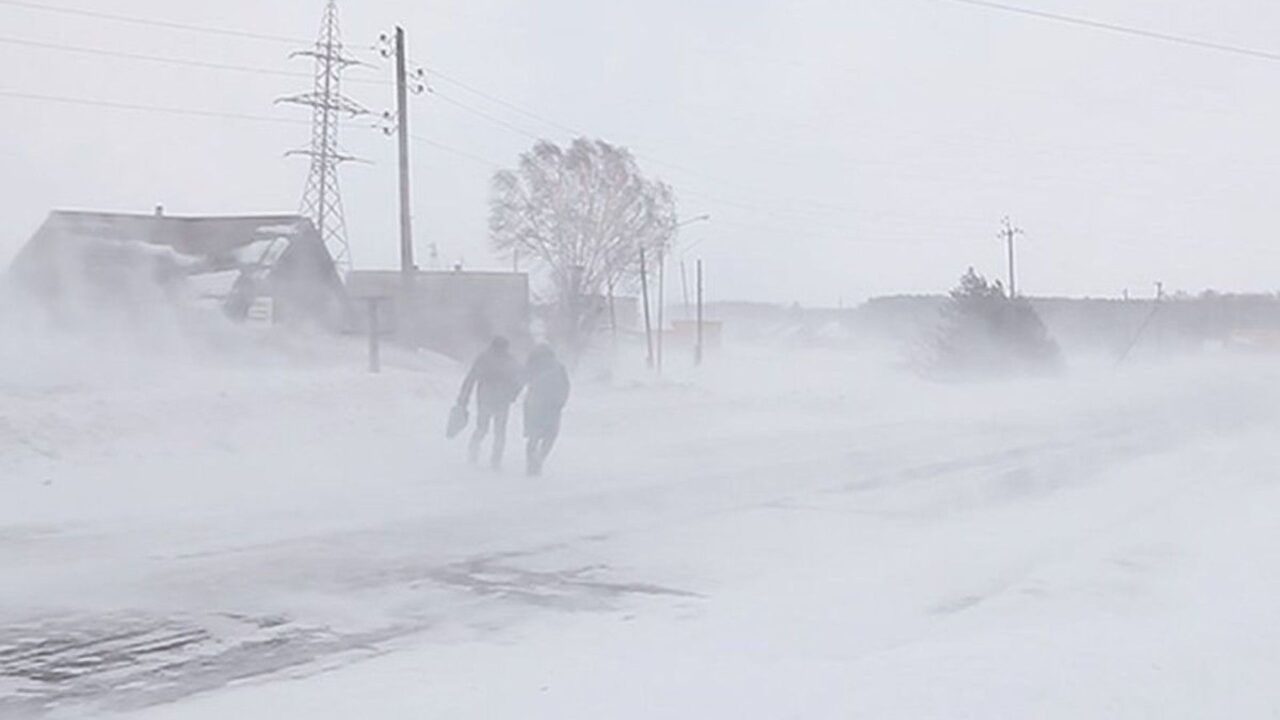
809,535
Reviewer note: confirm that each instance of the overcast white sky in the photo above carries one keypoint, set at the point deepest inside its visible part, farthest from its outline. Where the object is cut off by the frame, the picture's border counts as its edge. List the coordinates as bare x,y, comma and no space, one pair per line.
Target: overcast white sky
845,149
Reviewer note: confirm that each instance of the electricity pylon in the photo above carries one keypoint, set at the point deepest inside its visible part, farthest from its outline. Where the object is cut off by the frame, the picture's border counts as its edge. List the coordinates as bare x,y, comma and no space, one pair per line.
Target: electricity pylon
321,200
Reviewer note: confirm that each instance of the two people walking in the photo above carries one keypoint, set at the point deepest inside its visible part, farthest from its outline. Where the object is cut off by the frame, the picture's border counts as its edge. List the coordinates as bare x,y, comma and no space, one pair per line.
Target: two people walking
497,379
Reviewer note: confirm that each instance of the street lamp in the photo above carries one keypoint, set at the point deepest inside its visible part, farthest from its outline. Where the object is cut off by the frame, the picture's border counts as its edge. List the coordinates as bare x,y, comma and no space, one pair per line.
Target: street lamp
690,221
662,282
684,283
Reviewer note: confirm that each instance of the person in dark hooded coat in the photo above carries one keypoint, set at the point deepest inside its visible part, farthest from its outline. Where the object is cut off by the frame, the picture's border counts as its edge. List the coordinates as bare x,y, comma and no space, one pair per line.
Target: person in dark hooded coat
548,391
495,378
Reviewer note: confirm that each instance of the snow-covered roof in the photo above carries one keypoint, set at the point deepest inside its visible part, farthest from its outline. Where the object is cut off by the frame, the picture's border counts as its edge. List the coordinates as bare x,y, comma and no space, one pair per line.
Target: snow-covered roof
228,239
272,254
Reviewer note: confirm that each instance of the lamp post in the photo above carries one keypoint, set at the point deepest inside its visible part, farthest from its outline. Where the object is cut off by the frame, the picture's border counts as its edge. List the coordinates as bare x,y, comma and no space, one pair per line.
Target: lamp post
684,281
662,282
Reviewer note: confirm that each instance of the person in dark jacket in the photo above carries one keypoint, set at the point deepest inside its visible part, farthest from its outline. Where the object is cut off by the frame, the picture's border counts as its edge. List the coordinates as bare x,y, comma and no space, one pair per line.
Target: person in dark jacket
548,391
495,378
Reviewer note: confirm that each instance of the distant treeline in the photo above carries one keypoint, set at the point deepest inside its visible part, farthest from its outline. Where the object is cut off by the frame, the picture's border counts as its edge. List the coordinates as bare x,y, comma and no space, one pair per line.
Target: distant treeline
1175,322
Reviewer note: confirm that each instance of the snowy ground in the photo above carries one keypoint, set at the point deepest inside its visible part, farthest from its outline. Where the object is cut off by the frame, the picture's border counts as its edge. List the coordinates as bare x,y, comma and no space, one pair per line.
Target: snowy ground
801,534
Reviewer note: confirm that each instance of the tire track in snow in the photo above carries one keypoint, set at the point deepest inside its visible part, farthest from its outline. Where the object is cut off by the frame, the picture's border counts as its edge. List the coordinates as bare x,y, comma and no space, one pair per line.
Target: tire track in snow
118,662
87,663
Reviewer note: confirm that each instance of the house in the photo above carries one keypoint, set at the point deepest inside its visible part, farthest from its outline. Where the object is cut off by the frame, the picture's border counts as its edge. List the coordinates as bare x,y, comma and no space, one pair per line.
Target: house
453,312
684,334
272,267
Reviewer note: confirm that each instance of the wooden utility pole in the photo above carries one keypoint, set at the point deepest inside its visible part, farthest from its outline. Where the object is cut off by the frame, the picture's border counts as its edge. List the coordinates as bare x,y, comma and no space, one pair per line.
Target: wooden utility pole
1146,322
402,128
644,293
375,333
684,287
697,350
1008,232
662,301
613,316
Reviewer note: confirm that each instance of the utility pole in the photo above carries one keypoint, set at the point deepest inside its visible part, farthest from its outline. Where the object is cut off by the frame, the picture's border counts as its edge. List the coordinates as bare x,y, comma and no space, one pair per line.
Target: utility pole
644,293
662,301
402,130
375,336
684,280
1146,322
575,313
684,287
697,351
613,317
1008,232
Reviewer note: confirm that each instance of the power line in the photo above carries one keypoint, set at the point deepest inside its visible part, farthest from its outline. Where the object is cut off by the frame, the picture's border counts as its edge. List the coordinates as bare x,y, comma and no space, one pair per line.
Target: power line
187,62
467,87
803,215
1123,29
1076,20
184,62
809,219
460,153
166,60
169,110
170,25
513,107
504,103
808,216
844,236
810,211
814,208
190,62
541,118
488,162
533,136
222,115
484,115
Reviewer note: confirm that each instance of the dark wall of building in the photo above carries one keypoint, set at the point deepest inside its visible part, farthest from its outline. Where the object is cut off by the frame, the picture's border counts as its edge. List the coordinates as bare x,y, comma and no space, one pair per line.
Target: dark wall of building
80,264
455,313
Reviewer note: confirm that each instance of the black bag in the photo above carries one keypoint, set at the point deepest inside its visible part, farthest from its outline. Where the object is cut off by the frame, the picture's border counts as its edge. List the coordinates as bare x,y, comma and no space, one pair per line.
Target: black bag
458,418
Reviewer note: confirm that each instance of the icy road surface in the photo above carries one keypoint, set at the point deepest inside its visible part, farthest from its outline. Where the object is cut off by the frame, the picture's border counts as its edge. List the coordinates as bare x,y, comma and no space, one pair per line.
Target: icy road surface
807,536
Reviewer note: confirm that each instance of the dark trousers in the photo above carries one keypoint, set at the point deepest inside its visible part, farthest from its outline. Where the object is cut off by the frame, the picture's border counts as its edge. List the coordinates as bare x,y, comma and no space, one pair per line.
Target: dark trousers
541,429
486,416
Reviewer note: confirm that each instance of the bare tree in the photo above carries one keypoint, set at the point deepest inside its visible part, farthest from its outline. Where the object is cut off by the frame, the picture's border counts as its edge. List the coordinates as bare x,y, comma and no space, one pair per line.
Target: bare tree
583,213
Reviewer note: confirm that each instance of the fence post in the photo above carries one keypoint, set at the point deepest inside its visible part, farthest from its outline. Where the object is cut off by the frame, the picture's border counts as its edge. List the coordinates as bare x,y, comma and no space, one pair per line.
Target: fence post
375,336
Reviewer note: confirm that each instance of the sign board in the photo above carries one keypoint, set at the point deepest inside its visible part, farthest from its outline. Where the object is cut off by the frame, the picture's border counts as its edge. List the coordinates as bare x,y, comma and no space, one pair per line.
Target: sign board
261,312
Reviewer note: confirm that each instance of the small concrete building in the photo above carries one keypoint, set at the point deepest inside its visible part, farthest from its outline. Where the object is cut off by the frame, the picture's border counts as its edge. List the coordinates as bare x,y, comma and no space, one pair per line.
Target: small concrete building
272,267
453,312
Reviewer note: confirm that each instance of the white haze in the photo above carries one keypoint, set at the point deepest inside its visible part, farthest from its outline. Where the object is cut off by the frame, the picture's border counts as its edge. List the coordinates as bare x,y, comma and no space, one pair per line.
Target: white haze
798,528
200,519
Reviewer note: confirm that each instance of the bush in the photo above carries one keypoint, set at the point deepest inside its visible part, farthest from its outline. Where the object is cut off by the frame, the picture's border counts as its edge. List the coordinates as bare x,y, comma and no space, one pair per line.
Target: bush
986,332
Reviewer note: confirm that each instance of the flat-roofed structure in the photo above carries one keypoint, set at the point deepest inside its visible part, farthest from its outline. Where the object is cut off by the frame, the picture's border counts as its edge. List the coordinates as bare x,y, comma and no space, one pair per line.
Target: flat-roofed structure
454,312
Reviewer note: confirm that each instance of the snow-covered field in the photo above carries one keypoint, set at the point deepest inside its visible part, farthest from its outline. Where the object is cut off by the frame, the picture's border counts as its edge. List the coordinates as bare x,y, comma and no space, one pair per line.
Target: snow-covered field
785,534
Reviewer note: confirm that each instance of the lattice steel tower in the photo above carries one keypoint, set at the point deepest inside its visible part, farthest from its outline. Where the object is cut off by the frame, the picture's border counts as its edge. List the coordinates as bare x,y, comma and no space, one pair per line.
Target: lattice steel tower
321,201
